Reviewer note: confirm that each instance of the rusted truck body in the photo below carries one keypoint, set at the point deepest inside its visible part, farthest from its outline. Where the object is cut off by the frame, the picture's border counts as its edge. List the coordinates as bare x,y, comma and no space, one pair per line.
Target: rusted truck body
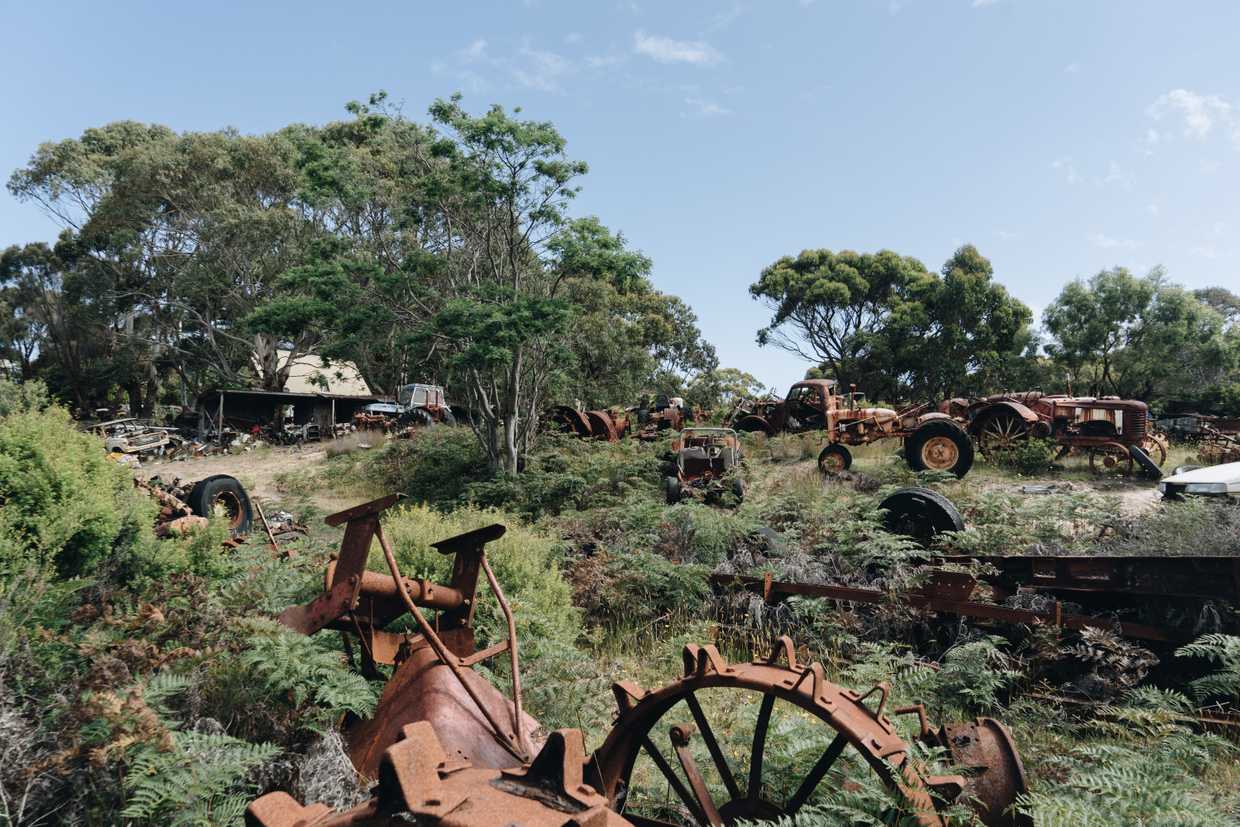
932,439
706,465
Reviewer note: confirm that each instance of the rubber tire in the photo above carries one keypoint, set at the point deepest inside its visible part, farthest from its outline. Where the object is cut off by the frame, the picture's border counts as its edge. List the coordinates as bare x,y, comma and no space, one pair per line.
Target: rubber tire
754,425
671,490
834,448
448,417
936,428
205,492
738,489
920,514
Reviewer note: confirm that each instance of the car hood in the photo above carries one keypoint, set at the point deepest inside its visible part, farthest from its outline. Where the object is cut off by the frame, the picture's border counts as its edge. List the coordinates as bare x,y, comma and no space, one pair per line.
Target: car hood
1228,472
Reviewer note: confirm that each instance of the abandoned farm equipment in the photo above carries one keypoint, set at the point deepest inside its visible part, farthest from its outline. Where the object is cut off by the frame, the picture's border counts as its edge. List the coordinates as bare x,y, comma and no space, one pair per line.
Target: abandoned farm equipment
446,747
415,405
1117,434
644,421
706,465
932,440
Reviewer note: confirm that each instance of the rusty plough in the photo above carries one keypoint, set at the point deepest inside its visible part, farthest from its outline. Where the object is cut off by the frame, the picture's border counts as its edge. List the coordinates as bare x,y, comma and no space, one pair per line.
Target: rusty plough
445,747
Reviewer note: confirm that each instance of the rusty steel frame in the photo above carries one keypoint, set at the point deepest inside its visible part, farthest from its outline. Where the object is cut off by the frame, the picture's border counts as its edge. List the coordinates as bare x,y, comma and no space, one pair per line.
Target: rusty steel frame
362,602
945,597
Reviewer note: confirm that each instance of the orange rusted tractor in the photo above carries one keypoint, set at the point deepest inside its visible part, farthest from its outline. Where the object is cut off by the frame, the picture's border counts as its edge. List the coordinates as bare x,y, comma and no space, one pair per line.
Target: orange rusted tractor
932,440
446,747
1117,434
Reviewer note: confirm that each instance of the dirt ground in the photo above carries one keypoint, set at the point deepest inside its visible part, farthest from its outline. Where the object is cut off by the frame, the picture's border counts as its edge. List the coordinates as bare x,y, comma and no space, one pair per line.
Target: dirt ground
256,469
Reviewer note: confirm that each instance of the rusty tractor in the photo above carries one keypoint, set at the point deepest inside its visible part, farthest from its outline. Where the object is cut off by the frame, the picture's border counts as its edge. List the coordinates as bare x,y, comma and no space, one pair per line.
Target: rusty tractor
932,440
446,747
1116,434
645,421
706,466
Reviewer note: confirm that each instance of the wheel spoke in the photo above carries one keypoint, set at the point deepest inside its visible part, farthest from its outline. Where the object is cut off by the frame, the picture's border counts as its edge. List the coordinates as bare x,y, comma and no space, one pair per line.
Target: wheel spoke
716,754
678,786
680,743
820,770
759,746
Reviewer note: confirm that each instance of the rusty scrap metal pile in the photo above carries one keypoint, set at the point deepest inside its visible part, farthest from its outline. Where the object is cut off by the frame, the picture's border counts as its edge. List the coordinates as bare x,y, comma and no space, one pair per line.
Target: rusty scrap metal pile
645,421
446,747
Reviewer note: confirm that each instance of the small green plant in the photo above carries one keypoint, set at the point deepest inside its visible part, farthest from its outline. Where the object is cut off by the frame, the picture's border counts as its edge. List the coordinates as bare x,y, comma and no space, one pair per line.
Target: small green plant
1223,650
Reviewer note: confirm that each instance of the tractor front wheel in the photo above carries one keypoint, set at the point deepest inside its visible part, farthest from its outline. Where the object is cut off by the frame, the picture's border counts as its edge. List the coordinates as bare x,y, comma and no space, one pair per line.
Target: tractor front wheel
939,445
672,490
834,459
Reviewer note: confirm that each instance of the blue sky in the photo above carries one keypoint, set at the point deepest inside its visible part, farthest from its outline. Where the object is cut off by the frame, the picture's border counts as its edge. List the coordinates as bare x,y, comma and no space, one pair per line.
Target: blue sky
1059,137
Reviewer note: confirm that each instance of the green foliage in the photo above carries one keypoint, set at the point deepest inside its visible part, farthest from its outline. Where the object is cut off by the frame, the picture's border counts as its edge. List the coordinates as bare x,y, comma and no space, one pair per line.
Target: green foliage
973,674
1145,768
197,783
883,322
1028,456
525,561
314,679
1223,650
1006,522
62,502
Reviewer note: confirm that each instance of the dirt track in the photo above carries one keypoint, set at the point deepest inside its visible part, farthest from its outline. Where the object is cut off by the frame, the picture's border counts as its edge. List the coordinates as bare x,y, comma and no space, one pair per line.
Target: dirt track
256,469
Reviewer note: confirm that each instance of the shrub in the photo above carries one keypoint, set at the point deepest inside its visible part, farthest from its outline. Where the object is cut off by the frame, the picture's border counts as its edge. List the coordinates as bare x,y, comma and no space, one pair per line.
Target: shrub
1027,456
62,502
1223,650
525,562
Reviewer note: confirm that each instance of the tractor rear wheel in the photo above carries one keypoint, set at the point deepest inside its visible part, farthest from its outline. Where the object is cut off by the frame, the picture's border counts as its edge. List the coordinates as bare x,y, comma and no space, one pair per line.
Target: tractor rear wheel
939,445
834,459
920,514
1002,430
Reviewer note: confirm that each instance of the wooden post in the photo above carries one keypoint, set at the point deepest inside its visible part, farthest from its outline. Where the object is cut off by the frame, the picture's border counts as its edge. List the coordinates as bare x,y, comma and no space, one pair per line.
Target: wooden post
219,425
333,417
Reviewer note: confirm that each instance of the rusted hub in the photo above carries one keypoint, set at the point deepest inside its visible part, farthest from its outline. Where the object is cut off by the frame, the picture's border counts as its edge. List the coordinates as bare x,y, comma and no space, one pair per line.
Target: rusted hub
940,453
1112,458
995,775
227,505
832,462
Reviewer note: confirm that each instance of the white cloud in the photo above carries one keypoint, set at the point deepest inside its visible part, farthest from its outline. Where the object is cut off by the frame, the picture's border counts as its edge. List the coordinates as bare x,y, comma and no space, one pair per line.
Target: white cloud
728,16
537,69
981,4
1007,235
1152,208
603,61
572,38
1116,175
1106,242
1208,251
1068,168
474,51
667,50
1200,113
1072,68
705,109
476,66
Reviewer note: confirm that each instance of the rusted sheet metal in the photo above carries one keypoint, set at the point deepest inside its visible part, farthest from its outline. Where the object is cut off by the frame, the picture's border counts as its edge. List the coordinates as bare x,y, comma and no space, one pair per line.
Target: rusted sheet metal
421,781
424,689
604,426
947,602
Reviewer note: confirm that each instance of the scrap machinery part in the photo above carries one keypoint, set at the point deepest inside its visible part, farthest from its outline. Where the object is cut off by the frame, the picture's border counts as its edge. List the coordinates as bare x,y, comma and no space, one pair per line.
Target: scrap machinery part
421,782
433,680
423,779
995,778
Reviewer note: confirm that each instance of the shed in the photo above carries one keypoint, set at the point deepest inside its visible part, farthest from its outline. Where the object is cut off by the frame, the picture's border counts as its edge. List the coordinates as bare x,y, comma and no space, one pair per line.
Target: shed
243,408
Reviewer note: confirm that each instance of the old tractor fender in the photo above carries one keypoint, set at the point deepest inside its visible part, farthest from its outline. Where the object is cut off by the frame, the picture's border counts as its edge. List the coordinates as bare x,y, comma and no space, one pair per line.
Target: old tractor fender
986,411
569,420
927,417
752,424
603,426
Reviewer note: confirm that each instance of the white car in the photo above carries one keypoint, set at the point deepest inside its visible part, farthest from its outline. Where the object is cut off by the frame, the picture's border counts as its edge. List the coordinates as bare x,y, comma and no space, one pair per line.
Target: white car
1210,481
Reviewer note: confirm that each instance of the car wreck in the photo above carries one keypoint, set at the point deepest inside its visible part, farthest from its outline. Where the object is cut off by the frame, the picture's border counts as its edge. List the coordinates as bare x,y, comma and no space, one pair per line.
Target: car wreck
705,465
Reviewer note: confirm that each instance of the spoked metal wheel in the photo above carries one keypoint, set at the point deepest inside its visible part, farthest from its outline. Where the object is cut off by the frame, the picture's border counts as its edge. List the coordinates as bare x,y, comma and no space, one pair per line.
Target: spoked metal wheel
1111,459
1156,446
703,744
1002,431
